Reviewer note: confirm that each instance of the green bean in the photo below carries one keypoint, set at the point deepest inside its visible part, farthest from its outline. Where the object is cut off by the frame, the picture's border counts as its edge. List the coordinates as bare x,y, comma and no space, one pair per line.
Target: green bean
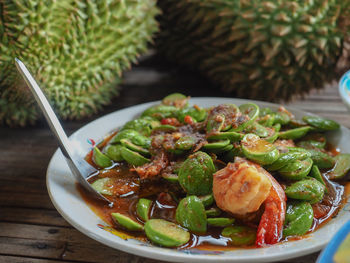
197,114
132,157
143,208
315,173
220,221
240,235
313,141
165,128
308,189
265,111
160,111
127,222
232,136
294,133
231,154
258,130
294,123
259,150
190,213
299,218
101,159
142,125
267,120
341,168
128,144
165,233
185,143
124,134
142,141
282,118
252,111
207,200
215,123
216,145
175,99
103,186
310,144
286,158
212,212
113,152
273,137
297,169
133,136
216,118
321,124
220,150
321,159
172,178
196,174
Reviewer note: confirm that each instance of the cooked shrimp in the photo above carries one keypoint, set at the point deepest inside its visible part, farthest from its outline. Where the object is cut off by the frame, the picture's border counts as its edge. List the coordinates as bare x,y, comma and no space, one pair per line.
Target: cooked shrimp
240,188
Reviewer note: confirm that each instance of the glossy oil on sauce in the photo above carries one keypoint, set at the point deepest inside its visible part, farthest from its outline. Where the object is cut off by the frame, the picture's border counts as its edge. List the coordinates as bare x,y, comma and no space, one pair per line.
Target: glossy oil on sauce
128,189
164,207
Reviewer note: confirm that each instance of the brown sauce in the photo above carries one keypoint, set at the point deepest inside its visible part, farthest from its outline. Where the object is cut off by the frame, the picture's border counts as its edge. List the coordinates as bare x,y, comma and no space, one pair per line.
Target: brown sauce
128,188
212,240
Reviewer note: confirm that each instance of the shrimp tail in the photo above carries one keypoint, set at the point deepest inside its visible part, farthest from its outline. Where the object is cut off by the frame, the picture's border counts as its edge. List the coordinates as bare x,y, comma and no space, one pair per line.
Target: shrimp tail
271,223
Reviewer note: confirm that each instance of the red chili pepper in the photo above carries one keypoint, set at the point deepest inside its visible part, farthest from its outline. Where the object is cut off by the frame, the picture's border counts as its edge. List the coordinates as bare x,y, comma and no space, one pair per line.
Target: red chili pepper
188,119
271,223
170,121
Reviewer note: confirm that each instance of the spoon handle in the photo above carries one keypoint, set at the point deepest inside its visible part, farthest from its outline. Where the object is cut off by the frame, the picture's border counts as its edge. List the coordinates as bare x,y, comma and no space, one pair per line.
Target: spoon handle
80,168
46,109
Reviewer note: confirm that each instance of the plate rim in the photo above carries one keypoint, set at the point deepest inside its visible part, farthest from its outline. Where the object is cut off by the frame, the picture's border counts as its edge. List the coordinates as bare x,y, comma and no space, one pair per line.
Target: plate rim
167,254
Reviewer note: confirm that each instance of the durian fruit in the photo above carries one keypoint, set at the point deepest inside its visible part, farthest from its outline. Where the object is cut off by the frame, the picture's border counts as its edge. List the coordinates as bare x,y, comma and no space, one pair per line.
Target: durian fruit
265,49
76,49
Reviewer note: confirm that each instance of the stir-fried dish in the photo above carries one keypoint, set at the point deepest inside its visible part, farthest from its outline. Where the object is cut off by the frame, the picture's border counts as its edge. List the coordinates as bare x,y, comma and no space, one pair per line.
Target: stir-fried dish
228,175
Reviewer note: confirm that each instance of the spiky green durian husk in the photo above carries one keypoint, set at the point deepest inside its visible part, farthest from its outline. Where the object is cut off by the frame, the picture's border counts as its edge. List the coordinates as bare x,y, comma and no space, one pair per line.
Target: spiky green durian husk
76,49
266,49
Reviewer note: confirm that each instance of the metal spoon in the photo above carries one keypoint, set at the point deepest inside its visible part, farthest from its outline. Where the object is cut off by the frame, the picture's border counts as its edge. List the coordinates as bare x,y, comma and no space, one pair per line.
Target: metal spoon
79,167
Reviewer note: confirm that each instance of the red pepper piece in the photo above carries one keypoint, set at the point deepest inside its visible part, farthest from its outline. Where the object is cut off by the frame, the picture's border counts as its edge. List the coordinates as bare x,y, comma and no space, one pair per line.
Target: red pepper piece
170,121
188,119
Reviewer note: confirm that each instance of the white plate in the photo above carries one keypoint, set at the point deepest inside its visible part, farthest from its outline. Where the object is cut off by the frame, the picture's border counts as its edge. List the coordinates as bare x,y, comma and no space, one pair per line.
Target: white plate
69,203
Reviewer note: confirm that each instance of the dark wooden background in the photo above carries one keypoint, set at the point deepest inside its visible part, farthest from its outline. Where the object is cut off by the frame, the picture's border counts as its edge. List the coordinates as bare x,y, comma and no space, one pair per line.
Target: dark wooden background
31,230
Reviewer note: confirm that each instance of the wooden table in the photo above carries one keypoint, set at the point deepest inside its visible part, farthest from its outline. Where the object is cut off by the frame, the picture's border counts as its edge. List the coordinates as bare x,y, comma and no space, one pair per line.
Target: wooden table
31,230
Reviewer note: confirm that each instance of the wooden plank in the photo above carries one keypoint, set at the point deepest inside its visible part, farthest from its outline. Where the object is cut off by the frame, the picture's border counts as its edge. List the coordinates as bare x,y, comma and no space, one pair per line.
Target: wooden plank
67,251
316,106
83,253
32,216
30,200
52,233
12,259
100,254
323,98
25,185
32,247
77,243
